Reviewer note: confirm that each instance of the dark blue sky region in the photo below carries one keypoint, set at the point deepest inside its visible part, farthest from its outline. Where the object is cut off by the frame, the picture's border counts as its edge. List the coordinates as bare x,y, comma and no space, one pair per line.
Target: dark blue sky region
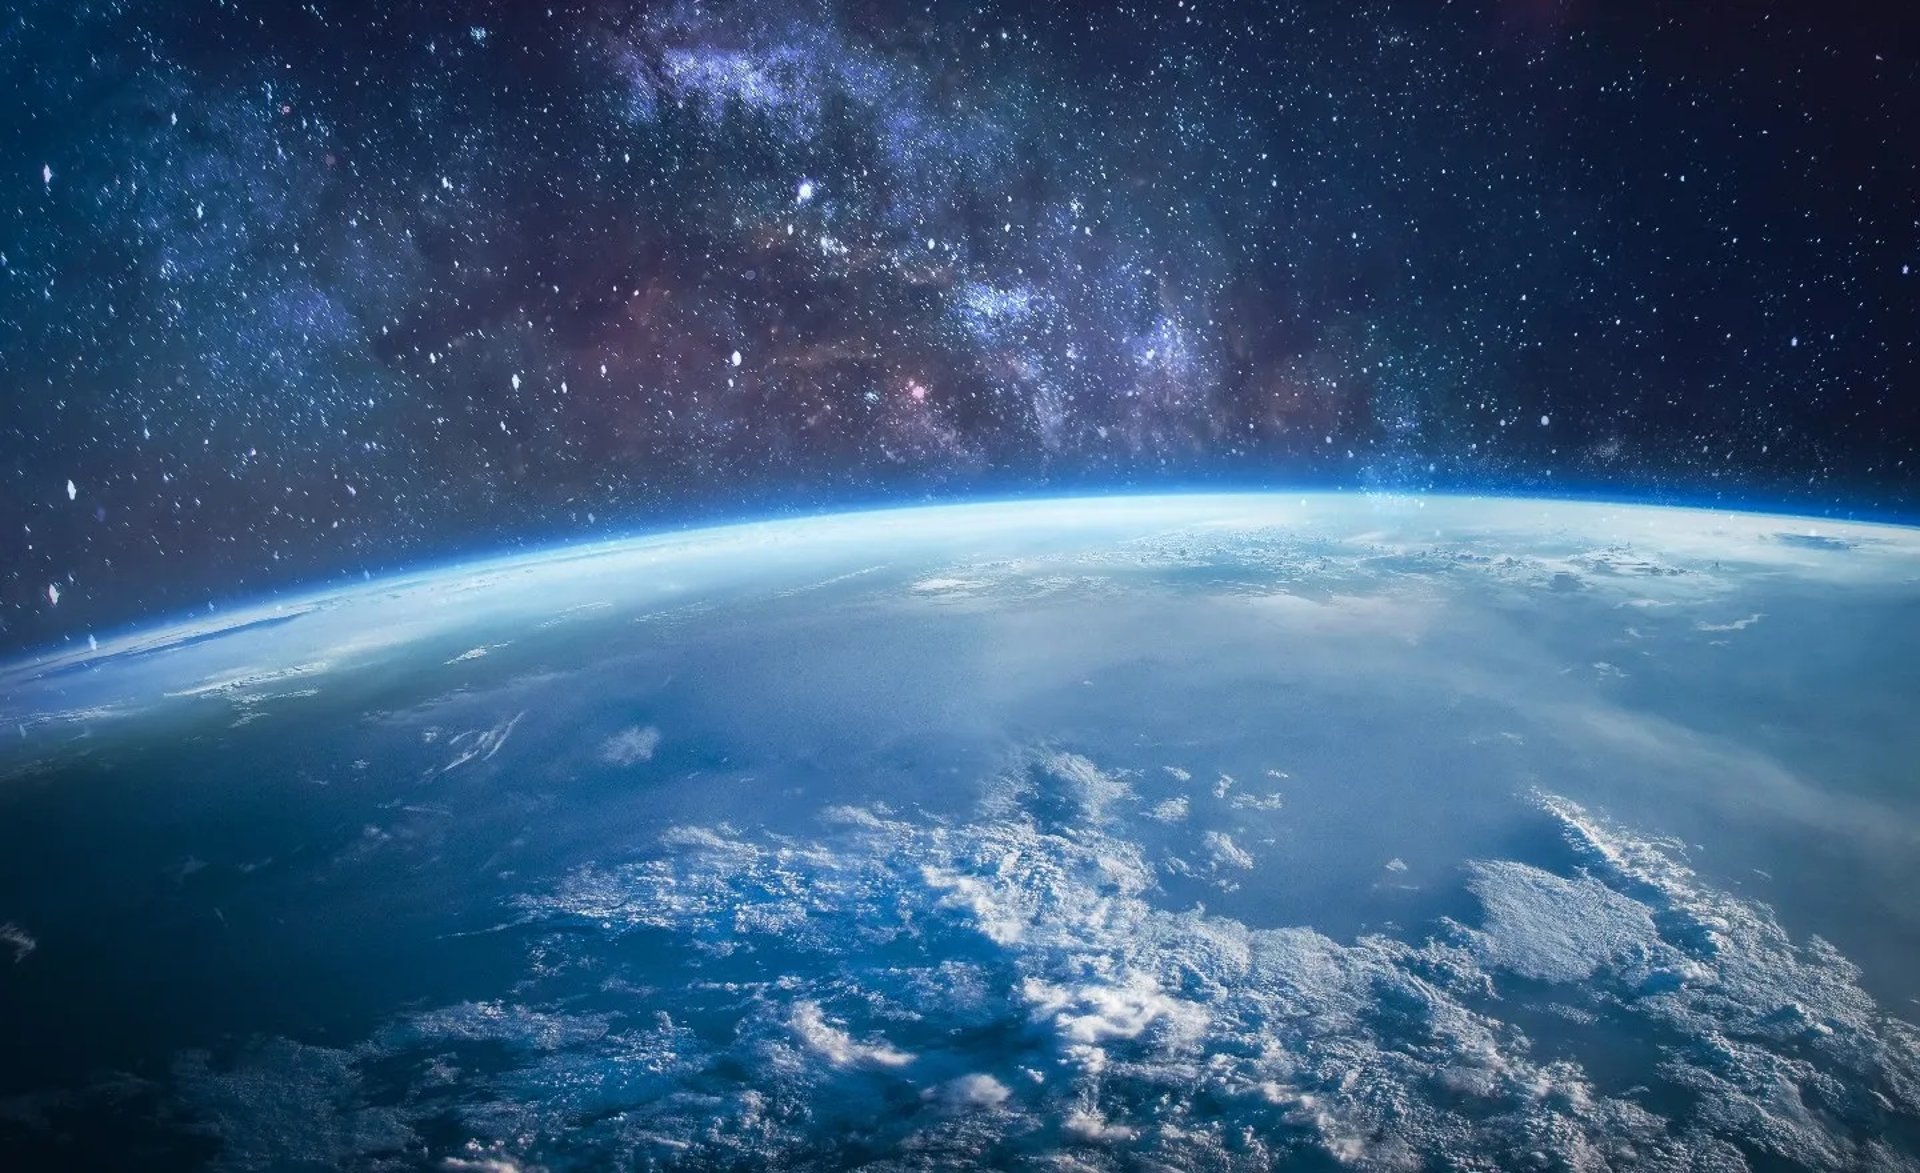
290,292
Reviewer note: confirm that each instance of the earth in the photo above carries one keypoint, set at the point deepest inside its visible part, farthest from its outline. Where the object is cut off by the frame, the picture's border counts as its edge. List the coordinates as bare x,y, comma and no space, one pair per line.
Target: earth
1181,832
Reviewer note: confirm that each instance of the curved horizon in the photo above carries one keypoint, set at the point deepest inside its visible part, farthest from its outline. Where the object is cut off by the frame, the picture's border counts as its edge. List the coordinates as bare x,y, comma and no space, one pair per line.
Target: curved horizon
247,611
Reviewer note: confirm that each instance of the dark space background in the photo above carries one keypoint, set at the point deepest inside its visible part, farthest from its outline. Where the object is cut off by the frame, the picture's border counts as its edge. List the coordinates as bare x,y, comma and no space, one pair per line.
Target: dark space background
296,291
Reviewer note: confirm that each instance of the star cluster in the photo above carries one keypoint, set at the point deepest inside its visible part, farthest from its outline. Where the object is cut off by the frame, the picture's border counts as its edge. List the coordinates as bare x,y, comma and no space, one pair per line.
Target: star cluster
289,292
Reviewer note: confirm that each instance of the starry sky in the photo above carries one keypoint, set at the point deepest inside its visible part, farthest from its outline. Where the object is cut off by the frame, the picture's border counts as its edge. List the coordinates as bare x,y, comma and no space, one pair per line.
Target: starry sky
292,292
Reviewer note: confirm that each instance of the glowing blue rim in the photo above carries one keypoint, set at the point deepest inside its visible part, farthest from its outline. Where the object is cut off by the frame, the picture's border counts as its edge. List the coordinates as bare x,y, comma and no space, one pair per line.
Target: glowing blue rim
510,552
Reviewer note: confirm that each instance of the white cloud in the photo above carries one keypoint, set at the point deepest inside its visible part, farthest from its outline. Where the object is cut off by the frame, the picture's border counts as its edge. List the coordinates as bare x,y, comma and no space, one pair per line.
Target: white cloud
1051,938
973,1091
630,747
835,1045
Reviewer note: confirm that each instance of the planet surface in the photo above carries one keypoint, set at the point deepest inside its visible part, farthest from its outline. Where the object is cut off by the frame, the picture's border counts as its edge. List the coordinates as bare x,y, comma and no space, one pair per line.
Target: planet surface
1180,832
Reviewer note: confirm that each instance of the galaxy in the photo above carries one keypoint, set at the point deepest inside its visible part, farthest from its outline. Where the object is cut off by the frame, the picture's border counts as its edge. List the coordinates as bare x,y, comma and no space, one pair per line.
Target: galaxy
297,294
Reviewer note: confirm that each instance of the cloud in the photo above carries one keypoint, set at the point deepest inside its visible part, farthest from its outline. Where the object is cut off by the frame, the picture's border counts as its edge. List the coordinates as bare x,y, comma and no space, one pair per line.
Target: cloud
976,1090
851,986
835,1045
1540,925
630,747
17,939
